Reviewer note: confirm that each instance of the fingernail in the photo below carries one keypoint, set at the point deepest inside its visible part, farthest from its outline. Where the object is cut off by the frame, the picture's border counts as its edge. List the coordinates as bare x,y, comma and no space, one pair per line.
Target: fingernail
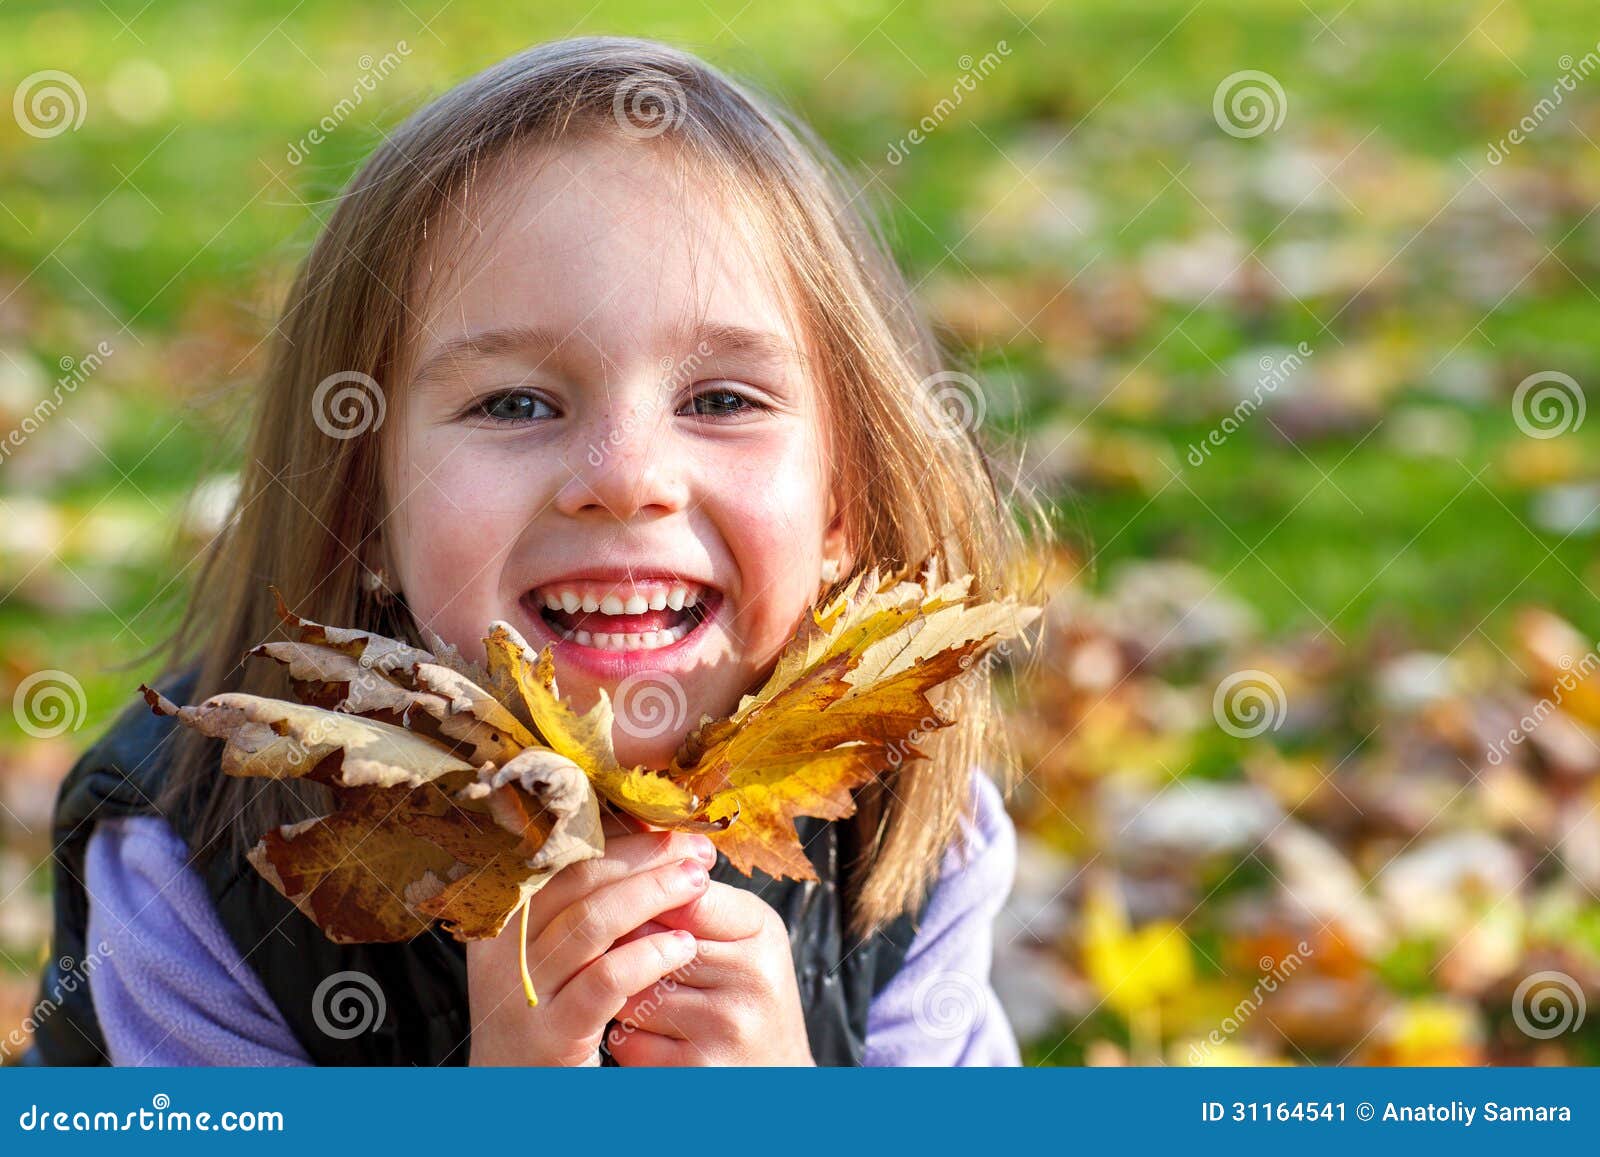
705,850
694,872
685,942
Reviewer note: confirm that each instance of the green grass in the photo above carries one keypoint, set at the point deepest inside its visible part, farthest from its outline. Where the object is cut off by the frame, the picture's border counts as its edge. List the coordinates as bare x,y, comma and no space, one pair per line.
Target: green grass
182,219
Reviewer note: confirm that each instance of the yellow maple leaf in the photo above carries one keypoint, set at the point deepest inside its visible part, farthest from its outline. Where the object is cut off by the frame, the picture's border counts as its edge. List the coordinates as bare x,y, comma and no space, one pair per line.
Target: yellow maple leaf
847,697
1133,970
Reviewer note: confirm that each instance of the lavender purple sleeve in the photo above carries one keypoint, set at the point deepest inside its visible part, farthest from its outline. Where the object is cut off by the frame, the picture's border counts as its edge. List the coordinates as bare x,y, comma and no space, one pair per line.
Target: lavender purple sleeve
175,991
940,1008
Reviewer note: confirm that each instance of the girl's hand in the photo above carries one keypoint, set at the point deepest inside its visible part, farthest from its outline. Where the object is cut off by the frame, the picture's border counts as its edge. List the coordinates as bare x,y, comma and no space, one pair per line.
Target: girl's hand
737,1003
582,974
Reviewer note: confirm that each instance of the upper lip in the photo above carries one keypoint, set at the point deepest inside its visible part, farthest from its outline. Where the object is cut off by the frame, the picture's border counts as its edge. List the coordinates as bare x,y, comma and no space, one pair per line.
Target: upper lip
643,573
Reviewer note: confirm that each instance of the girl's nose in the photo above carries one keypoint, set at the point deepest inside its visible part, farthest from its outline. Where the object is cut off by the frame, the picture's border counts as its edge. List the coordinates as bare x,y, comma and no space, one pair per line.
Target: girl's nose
626,472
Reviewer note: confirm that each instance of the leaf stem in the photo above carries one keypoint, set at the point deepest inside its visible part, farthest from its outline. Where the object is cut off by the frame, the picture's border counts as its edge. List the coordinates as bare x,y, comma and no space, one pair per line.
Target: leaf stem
522,958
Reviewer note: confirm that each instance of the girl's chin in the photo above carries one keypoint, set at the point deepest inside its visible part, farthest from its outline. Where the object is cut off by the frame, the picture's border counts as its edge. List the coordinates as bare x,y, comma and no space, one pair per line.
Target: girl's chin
652,713
653,754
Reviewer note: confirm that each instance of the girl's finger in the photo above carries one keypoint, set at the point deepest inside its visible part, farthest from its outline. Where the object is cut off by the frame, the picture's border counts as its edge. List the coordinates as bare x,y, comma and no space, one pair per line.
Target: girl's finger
583,931
592,997
645,1049
667,1007
625,855
722,913
648,928
717,964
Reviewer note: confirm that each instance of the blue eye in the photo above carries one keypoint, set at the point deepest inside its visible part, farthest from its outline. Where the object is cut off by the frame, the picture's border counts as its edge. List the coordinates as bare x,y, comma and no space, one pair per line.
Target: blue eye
717,403
513,407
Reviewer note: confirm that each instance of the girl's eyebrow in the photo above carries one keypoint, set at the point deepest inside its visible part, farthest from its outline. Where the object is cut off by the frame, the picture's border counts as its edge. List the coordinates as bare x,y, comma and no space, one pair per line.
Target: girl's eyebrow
540,341
713,337
704,340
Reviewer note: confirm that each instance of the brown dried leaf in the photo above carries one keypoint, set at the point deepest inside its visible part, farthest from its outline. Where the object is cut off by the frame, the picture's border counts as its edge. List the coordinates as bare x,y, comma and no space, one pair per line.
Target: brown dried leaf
279,740
418,835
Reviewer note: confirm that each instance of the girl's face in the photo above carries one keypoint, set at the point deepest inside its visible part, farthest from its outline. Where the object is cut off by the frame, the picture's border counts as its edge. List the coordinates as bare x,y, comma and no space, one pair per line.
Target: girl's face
611,439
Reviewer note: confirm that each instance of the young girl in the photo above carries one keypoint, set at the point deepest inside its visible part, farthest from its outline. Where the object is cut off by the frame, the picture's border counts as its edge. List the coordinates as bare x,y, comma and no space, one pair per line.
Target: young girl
594,344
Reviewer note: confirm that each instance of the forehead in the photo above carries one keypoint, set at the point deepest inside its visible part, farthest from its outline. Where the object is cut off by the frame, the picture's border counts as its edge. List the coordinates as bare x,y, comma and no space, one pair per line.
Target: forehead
618,243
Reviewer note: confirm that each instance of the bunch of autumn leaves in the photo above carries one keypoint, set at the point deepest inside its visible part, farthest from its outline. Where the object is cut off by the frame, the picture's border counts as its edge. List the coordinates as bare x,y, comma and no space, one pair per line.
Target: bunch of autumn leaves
462,790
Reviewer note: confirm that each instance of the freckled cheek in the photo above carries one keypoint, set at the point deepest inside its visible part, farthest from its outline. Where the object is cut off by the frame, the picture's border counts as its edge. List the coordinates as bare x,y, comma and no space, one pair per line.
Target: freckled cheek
773,521
456,517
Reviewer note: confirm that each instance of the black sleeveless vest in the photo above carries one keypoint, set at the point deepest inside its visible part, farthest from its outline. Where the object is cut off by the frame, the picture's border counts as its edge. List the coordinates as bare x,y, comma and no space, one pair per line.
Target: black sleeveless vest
424,980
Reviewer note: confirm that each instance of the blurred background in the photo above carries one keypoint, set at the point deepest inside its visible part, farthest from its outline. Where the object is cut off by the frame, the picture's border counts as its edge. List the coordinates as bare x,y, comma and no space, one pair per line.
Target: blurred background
1289,307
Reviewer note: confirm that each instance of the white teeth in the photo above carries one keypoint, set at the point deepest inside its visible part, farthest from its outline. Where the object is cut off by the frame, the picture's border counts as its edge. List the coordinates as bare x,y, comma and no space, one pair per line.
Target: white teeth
635,603
631,641
677,597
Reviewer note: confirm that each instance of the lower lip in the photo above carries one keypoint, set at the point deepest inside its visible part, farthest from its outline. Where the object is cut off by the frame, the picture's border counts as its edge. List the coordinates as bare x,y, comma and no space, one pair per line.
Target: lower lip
602,663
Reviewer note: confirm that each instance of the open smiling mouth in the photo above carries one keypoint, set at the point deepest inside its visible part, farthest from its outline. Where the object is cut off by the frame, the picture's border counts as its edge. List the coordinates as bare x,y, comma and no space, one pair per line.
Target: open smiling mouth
641,615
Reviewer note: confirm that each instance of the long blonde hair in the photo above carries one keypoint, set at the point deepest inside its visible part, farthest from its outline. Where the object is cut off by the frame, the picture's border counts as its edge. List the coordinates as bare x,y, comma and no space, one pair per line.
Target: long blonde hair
309,507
